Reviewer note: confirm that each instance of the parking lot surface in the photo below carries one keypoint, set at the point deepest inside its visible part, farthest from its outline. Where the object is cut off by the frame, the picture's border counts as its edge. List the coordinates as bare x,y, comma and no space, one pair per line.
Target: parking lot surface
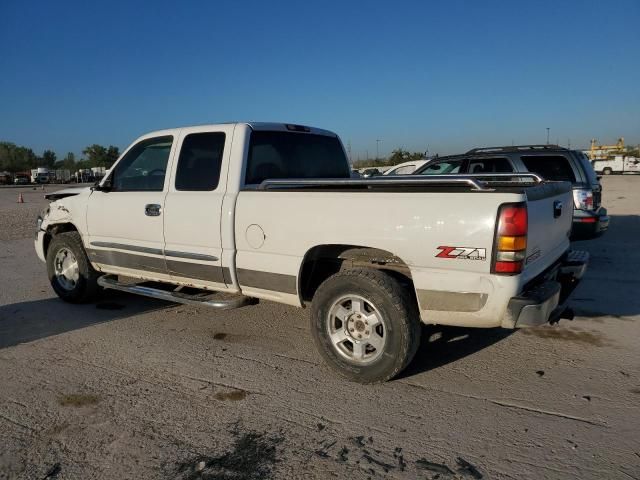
130,387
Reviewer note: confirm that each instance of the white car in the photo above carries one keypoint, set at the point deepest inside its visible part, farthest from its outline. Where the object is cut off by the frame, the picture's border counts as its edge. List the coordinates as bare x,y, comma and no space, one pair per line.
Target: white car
406,168
269,211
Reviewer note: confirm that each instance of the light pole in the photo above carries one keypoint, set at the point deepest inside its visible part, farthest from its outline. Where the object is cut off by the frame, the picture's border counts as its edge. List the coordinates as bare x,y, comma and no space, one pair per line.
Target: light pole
378,148
547,135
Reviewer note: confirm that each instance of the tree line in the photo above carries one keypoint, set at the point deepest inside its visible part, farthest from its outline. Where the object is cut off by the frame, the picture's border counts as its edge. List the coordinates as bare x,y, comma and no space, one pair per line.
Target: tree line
16,158
399,155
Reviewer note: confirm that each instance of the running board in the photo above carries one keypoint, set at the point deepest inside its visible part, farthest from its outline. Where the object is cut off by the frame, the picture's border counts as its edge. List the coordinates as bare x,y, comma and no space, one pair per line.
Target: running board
111,282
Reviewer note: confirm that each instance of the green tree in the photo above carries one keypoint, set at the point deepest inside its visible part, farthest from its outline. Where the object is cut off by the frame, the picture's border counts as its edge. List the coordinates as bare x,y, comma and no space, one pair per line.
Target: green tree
16,158
48,159
112,155
399,155
99,156
95,155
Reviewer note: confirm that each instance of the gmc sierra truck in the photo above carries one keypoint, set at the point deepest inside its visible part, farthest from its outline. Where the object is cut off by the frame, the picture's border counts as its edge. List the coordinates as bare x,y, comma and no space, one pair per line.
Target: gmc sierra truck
270,211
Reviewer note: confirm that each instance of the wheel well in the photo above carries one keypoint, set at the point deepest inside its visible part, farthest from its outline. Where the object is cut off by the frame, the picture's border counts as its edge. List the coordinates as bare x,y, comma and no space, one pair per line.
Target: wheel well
323,261
54,230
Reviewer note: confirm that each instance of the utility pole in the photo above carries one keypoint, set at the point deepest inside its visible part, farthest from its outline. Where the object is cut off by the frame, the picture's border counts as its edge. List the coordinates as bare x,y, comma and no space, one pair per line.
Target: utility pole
569,143
349,150
547,135
378,148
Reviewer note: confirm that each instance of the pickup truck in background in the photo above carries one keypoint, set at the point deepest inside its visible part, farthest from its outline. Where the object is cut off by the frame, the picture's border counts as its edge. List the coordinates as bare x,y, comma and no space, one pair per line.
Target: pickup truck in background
269,211
617,164
551,162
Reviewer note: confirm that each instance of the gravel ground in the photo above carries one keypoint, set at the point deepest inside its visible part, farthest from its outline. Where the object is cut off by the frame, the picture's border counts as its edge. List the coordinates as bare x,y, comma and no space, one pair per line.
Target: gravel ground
136,388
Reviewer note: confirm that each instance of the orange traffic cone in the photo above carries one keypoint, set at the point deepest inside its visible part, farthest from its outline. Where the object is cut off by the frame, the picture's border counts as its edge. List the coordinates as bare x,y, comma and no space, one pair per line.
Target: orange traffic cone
20,199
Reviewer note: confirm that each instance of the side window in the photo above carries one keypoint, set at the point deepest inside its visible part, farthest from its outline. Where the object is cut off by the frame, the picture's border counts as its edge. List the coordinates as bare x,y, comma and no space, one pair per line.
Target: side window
440,168
550,167
200,161
143,167
490,165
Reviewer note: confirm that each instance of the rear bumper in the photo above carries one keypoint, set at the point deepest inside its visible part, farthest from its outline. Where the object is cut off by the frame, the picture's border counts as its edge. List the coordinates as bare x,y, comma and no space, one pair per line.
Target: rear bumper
587,225
546,302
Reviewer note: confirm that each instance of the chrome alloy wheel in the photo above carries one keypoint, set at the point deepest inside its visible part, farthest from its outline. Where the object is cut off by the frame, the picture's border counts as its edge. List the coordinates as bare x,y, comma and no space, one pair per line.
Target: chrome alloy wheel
65,266
357,329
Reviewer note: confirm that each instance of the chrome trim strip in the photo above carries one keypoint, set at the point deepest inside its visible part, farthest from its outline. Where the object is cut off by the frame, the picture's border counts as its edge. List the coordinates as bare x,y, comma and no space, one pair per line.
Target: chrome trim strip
133,248
451,301
276,282
191,256
156,251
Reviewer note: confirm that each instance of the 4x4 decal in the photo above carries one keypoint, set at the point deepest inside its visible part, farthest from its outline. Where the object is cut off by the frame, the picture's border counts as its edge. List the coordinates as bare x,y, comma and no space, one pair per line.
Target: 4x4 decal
462,253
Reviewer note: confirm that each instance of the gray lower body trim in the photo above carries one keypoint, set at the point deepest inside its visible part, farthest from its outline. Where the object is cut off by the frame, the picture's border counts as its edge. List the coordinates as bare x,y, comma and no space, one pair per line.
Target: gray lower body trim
196,271
127,260
451,301
277,282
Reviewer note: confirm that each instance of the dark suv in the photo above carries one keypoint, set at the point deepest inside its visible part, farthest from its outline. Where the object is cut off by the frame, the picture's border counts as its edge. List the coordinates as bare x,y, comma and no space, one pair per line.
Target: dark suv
551,162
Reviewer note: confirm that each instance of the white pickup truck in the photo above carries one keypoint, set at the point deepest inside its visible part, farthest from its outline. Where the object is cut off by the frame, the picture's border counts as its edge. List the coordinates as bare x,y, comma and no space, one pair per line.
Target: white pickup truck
269,211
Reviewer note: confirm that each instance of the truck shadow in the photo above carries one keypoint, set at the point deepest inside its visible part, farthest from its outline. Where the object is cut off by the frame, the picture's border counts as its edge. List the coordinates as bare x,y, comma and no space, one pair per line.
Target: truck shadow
442,345
33,320
610,286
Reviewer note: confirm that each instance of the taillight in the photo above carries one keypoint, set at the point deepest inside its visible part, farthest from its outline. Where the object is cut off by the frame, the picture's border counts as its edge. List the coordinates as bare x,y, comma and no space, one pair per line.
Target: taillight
511,238
583,199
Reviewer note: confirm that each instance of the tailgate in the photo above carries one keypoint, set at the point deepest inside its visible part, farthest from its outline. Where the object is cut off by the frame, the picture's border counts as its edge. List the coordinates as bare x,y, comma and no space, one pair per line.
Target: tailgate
550,213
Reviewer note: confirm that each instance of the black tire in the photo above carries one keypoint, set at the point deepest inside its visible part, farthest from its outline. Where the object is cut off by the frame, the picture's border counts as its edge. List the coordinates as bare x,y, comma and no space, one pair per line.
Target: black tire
607,171
86,287
394,303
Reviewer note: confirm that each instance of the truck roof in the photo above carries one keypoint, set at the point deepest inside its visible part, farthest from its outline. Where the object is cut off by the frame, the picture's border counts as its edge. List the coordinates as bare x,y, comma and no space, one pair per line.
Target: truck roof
284,127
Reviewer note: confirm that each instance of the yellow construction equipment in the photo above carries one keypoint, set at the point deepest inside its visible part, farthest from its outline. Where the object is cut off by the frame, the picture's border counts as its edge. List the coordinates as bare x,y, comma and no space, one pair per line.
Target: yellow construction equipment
603,151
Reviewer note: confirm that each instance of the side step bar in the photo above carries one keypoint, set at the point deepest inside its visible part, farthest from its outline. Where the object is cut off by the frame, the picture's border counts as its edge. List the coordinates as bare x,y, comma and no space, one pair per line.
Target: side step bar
111,282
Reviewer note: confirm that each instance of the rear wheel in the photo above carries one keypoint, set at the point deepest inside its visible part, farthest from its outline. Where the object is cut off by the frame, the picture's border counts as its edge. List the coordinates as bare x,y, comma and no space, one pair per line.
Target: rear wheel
607,171
365,325
70,272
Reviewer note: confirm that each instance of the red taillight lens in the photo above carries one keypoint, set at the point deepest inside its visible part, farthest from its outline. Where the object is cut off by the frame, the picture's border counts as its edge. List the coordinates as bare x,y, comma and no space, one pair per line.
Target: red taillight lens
513,220
511,239
508,267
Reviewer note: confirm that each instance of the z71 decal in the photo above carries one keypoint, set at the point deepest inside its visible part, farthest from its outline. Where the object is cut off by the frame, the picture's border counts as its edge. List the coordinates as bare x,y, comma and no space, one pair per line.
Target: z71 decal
462,253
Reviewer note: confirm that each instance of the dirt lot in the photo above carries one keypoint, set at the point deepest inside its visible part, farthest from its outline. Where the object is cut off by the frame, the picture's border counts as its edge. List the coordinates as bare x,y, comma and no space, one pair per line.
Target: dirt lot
136,388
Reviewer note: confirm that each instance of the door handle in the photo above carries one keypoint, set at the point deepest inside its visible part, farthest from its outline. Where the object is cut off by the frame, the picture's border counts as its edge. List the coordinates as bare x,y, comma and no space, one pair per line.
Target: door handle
557,209
152,210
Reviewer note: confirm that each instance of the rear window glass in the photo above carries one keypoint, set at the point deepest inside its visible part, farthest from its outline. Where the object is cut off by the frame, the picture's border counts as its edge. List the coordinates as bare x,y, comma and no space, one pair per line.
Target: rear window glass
490,165
550,167
200,161
285,155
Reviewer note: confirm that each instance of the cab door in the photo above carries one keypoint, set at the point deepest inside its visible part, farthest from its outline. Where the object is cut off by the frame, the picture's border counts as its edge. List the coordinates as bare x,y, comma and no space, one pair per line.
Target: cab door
193,208
125,216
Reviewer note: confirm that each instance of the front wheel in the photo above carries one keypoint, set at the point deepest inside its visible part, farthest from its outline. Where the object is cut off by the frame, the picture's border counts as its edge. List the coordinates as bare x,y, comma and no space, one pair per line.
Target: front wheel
365,325
70,272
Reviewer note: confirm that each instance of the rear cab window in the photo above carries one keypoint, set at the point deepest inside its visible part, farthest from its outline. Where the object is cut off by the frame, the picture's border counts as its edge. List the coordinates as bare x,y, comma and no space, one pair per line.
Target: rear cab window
550,167
286,155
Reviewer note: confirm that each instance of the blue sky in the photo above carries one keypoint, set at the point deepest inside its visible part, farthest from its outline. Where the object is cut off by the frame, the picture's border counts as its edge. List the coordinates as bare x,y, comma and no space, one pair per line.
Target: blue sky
445,76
